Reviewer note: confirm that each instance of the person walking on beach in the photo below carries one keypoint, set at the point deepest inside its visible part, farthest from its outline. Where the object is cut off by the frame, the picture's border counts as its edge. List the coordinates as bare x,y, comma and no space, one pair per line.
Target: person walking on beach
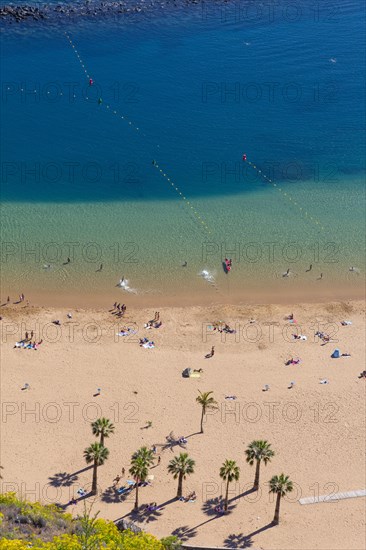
8,300
116,481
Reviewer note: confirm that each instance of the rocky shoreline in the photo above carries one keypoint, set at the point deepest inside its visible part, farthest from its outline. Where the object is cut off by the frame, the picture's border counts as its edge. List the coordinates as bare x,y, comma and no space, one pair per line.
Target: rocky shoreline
19,13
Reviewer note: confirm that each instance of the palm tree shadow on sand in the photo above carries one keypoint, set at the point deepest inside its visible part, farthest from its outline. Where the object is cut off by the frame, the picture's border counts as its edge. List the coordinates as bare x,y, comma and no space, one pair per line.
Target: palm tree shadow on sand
245,541
171,442
210,509
143,514
184,533
238,541
112,496
63,479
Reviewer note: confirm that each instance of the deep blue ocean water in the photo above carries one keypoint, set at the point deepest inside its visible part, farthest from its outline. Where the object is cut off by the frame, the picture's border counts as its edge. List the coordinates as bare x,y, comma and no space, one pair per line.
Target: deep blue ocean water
285,84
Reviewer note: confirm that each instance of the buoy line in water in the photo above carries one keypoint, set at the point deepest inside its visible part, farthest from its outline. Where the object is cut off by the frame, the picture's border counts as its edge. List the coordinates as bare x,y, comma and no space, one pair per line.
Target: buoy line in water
289,197
192,209
304,213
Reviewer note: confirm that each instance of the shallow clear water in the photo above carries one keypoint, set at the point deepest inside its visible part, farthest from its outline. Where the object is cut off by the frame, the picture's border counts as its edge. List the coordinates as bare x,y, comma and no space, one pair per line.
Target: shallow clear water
202,89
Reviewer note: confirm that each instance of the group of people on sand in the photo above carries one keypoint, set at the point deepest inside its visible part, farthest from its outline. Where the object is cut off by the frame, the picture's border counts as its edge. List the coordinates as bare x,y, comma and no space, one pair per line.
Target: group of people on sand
146,343
154,323
220,326
192,497
118,309
19,301
152,507
27,343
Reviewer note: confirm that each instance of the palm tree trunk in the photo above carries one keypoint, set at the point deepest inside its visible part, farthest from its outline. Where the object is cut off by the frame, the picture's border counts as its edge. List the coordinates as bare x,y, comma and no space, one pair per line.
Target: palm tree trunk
202,415
137,496
102,439
226,496
180,486
276,519
256,479
94,483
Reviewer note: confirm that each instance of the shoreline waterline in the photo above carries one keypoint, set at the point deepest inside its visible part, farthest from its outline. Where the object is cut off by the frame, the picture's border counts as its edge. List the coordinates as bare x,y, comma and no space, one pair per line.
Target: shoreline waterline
206,297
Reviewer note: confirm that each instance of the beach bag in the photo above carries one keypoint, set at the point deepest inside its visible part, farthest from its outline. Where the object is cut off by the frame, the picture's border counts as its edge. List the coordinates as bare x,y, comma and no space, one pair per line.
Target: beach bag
187,373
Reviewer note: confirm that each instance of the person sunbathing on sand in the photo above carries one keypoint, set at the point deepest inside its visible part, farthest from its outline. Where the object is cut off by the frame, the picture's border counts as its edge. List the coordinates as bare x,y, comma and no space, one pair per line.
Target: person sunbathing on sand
293,361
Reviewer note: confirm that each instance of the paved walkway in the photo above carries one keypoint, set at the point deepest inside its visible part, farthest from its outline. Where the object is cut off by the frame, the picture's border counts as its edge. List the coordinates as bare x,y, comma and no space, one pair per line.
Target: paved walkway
332,498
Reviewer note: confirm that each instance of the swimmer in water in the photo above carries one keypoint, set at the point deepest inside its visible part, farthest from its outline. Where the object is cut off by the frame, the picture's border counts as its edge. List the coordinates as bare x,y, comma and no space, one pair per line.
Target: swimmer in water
244,157
91,82
100,101
185,264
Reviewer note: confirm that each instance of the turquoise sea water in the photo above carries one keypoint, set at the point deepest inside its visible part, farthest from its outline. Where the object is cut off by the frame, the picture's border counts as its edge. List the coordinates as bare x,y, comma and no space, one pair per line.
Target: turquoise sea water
202,86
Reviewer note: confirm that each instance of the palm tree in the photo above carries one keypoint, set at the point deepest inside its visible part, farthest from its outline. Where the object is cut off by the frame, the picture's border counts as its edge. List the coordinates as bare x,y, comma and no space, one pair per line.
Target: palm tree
256,452
207,402
281,485
146,454
139,470
229,472
180,467
102,427
97,454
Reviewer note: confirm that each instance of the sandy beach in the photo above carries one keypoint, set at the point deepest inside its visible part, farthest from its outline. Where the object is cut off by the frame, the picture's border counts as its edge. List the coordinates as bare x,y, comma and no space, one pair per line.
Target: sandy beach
316,430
